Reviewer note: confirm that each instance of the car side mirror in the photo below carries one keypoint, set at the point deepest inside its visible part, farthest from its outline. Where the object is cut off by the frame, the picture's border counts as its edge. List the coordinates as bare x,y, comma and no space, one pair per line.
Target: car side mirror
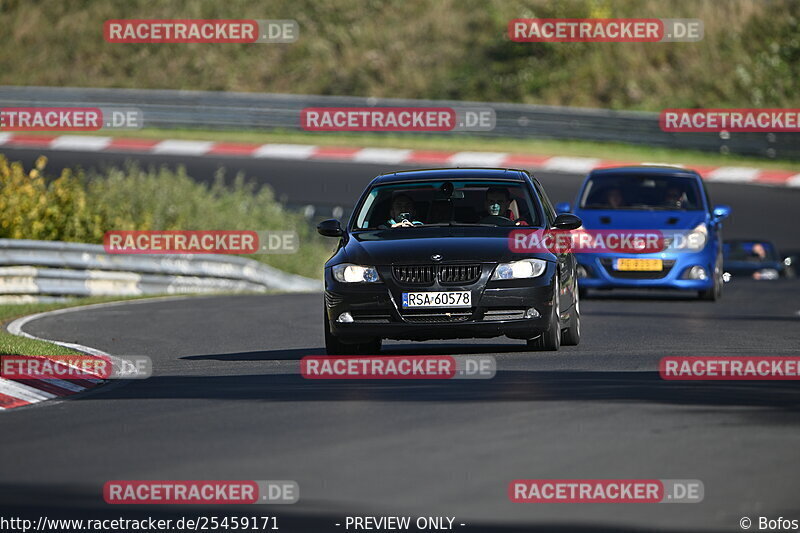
330,228
722,211
563,207
567,221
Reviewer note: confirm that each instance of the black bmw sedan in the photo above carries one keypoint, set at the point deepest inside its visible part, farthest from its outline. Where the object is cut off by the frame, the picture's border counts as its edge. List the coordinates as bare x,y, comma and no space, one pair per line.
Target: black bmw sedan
427,255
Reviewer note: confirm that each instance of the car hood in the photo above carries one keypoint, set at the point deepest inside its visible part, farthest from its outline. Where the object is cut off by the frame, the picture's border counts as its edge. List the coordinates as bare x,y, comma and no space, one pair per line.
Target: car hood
366,249
598,219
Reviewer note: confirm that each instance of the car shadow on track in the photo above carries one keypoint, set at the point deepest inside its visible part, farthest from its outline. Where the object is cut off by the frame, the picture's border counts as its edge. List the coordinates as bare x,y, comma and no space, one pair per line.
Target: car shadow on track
391,349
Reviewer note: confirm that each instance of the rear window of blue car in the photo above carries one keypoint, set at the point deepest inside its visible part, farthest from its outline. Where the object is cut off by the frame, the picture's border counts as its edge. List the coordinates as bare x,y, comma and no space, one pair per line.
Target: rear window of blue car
645,192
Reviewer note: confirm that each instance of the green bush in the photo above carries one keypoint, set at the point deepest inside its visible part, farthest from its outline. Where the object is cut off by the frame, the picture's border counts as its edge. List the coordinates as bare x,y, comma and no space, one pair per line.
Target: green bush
75,207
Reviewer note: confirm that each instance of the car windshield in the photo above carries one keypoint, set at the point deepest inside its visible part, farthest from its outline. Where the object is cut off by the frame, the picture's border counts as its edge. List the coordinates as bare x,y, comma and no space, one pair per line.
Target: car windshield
750,251
645,192
447,203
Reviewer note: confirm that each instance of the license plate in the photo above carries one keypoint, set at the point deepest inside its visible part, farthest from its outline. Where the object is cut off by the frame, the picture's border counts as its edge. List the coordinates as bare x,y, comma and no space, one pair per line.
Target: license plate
639,264
437,299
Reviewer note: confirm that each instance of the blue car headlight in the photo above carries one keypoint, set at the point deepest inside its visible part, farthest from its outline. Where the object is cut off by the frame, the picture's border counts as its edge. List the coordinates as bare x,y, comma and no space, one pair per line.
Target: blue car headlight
349,273
526,268
694,240
697,238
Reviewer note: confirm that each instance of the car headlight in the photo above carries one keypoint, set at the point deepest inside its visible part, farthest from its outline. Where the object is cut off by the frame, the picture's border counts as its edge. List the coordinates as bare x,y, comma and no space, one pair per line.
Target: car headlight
348,273
527,268
696,240
766,274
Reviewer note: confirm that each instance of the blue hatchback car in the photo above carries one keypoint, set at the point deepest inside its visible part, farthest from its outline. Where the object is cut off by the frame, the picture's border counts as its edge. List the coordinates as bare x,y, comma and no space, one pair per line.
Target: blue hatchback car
670,200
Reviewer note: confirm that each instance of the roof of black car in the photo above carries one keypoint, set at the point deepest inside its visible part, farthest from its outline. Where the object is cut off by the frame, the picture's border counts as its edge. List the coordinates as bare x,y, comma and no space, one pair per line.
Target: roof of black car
512,174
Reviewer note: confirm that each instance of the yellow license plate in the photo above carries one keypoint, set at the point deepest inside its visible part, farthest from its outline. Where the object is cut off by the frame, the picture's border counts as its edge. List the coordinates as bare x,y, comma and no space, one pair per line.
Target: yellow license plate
639,264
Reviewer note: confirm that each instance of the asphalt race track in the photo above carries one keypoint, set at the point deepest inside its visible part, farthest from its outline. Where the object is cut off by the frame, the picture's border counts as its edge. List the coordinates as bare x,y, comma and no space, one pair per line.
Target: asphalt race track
227,402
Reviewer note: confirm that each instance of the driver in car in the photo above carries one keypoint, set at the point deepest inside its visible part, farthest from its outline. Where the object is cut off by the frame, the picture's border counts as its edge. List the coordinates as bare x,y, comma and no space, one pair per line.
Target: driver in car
402,212
497,204
674,197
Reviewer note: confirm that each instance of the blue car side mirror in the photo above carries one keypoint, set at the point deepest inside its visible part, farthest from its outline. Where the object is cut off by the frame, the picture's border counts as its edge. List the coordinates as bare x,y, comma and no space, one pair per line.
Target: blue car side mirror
563,207
722,211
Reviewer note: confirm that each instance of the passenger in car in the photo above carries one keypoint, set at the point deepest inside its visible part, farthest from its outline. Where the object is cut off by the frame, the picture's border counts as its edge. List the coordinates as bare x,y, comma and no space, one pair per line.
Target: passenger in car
498,202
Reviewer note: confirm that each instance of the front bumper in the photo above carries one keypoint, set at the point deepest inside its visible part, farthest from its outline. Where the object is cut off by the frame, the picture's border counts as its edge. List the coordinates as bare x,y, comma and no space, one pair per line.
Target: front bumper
600,272
498,308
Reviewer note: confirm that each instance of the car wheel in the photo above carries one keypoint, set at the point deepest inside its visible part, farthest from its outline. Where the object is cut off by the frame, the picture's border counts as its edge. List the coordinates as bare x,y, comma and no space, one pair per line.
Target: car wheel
571,336
372,347
715,292
333,346
550,340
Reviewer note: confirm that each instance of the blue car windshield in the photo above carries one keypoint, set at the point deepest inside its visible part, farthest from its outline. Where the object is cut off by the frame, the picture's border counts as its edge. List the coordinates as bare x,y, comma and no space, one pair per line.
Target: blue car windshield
447,203
642,192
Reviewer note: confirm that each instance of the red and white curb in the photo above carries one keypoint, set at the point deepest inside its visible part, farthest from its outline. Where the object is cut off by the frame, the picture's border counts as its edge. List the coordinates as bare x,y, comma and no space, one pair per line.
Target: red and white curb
388,156
19,393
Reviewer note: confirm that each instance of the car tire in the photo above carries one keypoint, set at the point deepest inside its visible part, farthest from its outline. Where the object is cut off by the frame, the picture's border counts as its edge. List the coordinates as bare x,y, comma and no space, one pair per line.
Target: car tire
333,346
550,340
372,347
715,292
571,336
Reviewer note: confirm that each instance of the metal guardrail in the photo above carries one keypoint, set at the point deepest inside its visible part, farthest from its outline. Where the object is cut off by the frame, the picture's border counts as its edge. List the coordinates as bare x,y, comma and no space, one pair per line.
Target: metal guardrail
253,111
58,269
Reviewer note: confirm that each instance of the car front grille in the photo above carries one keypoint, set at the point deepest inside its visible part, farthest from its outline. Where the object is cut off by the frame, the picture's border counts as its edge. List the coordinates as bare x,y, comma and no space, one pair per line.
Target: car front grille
332,299
446,274
434,318
371,318
459,273
504,314
414,274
